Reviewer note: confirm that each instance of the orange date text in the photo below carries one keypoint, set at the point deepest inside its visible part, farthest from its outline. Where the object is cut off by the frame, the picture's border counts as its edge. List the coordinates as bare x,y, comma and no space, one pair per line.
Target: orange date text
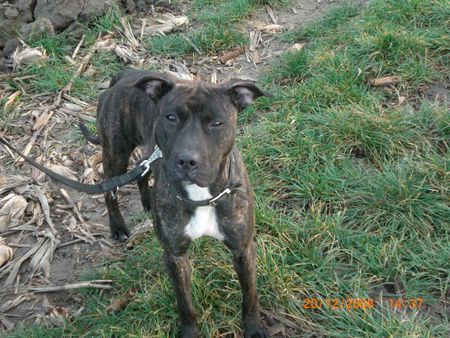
339,303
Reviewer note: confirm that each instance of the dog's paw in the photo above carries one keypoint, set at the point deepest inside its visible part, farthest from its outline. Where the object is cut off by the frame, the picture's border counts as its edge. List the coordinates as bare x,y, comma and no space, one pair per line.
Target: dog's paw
189,331
120,235
255,330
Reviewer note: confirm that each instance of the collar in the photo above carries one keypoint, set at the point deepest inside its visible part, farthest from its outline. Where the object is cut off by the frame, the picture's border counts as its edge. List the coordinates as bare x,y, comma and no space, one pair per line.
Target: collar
227,190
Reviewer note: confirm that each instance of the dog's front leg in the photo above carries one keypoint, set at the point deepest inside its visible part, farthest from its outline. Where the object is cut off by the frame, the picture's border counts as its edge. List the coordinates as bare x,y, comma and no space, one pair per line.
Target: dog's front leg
146,192
179,271
245,265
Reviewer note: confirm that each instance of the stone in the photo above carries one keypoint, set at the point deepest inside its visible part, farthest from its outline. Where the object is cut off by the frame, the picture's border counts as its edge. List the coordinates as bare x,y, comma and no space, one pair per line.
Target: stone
10,47
11,12
95,8
26,9
13,15
63,12
39,28
3,67
132,6
8,29
60,12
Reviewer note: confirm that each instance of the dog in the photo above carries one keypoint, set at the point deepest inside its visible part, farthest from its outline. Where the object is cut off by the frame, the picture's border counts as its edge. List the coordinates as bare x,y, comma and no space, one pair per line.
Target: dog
201,186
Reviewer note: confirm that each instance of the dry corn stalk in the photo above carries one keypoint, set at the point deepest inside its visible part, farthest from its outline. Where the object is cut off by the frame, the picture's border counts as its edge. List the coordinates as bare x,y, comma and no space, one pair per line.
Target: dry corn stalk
9,182
164,23
64,171
180,71
6,253
127,54
11,99
134,43
386,81
268,28
43,257
13,208
296,47
27,55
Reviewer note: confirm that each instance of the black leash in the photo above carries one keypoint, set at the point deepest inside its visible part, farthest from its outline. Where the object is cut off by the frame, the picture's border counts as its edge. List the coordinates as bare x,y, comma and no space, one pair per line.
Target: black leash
107,185
141,170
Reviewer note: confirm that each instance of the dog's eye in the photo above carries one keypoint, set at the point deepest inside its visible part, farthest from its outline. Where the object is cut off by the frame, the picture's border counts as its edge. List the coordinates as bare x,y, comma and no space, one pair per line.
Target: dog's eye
171,117
216,124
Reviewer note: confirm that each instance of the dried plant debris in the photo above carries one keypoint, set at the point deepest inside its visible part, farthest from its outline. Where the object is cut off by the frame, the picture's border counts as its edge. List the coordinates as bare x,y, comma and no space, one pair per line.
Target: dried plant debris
385,81
12,99
13,266
268,28
120,303
26,55
6,253
255,41
227,56
132,41
296,47
73,107
58,315
107,43
161,24
44,206
9,182
179,70
126,53
43,257
11,304
12,210
97,284
64,171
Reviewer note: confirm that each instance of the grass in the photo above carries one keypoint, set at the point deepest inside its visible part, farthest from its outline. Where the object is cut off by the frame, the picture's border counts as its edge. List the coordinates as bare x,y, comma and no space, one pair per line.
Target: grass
57,71
351,192
214,28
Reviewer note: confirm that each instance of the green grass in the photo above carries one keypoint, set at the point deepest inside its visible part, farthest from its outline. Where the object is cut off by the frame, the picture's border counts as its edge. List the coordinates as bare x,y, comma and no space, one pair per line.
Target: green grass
54,74
214,29
351,192
208,39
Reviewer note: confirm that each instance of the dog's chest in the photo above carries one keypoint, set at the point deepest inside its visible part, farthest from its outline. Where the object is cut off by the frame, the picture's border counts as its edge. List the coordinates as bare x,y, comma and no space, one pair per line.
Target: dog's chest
204,220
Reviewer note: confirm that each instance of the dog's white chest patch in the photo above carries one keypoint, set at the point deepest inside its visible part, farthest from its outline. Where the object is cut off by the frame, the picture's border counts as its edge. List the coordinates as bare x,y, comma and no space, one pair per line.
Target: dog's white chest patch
204,220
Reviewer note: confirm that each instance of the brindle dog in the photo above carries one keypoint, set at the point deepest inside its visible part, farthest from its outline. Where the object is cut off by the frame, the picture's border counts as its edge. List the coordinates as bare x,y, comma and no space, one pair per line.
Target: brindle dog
194,125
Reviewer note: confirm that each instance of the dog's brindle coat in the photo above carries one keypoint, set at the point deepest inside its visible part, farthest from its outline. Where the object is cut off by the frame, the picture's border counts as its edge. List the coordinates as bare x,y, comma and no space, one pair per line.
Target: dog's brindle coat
194,125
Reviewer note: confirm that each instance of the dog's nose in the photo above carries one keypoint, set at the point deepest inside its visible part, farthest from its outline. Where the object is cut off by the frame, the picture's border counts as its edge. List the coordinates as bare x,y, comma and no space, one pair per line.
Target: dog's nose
187,162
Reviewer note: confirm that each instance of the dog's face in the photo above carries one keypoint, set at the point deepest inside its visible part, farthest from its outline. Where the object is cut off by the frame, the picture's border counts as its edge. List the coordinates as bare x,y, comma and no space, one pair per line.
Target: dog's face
196,124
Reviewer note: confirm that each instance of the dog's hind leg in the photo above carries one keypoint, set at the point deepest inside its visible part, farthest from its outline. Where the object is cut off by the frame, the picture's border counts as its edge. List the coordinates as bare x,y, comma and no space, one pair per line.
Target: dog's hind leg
115,164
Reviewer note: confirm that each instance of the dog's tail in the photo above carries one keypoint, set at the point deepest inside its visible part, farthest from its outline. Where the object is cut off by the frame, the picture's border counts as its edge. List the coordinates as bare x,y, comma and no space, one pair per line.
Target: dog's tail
88,135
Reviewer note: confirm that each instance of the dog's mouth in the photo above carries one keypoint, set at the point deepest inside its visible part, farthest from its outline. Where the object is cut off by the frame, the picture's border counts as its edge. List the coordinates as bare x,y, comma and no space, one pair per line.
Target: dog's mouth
190,179
203,176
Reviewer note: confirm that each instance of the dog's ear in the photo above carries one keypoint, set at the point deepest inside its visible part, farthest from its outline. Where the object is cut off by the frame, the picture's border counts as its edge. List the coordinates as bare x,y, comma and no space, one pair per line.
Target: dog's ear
155,85
243,93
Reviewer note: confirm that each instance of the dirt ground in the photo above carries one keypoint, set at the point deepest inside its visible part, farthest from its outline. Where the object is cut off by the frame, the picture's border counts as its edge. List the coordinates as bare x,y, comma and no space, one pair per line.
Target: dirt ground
63,235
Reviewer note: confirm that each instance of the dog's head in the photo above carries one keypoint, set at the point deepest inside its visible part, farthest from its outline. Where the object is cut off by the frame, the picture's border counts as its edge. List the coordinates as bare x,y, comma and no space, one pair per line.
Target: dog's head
195,123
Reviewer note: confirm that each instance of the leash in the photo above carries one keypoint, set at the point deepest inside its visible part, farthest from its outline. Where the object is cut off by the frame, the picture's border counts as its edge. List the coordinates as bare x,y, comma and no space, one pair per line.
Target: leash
107,185
139,171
